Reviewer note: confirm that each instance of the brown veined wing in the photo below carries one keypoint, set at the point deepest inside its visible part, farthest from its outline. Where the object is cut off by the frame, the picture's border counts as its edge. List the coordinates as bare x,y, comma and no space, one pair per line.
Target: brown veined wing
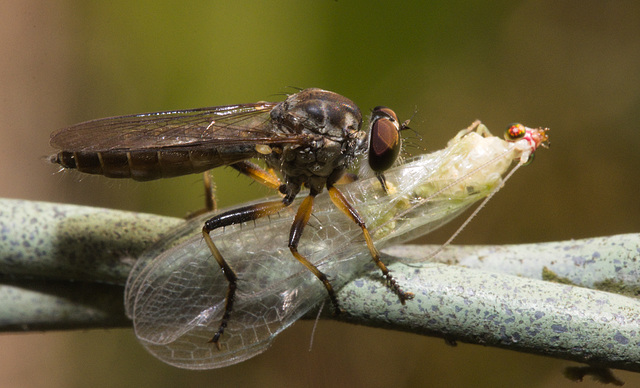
167,144
221,126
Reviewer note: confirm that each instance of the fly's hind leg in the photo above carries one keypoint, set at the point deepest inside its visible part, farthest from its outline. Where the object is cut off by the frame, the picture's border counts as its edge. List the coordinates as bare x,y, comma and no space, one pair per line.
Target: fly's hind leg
210,203
258,174
347,178
232,217
265,177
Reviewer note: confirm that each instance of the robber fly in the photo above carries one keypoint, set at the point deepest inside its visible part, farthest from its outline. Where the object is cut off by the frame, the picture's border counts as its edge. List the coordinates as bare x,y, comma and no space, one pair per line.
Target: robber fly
311,138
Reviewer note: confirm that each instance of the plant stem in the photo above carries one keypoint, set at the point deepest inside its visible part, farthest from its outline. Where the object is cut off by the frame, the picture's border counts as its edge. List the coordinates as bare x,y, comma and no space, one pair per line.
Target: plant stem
64,267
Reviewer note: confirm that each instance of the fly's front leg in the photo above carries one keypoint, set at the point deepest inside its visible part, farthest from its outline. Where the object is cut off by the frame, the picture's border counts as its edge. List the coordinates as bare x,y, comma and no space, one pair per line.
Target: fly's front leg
341,202
232,217
299,222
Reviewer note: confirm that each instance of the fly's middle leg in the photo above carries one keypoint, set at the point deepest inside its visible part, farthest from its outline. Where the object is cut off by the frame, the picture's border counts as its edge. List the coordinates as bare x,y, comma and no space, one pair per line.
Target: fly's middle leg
299,222
232,217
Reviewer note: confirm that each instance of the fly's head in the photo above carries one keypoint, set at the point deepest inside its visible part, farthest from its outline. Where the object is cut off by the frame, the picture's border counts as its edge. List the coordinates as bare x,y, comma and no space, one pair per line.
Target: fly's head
385,141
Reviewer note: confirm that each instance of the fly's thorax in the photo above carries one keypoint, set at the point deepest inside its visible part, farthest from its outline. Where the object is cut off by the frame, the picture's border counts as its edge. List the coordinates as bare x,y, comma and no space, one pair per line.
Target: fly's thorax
317,112
331,125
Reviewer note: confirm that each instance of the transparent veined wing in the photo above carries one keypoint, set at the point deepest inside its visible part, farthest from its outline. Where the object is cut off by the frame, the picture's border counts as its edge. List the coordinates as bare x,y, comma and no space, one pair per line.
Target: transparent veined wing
177,296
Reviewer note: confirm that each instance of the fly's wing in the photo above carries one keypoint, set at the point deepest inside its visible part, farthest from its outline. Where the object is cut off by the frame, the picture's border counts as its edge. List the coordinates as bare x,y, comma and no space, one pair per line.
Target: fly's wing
221,126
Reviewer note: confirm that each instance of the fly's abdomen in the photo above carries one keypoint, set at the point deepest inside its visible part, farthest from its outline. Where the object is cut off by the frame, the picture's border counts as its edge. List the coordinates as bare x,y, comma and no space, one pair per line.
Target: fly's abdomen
145,165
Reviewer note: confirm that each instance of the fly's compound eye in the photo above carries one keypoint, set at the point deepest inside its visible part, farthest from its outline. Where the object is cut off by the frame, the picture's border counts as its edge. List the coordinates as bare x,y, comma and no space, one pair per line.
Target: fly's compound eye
515,131
384,139
382,112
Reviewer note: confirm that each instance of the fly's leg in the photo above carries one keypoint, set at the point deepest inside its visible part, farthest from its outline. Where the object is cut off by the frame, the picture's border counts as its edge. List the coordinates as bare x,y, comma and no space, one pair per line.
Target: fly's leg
265,177
210,203
258,174
232,217
347,178
341,203
299,222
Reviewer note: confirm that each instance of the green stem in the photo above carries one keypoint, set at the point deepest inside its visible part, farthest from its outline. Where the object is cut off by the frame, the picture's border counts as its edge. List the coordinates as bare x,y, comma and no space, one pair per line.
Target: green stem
64,267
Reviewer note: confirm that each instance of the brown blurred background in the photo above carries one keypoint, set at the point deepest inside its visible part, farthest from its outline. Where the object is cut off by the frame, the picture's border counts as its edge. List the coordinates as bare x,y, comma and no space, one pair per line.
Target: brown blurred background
573,66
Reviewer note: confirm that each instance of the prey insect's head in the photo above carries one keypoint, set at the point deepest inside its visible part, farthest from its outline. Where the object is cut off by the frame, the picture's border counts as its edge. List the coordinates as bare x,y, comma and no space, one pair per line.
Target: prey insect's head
385,141
534,138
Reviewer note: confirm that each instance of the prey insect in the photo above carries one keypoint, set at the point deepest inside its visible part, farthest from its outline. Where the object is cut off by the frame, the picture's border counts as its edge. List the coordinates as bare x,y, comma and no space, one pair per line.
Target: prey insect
311,138
175,294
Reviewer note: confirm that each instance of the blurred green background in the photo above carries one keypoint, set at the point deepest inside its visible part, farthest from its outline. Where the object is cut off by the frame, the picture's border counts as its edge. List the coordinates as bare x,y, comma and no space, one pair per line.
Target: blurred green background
573,66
